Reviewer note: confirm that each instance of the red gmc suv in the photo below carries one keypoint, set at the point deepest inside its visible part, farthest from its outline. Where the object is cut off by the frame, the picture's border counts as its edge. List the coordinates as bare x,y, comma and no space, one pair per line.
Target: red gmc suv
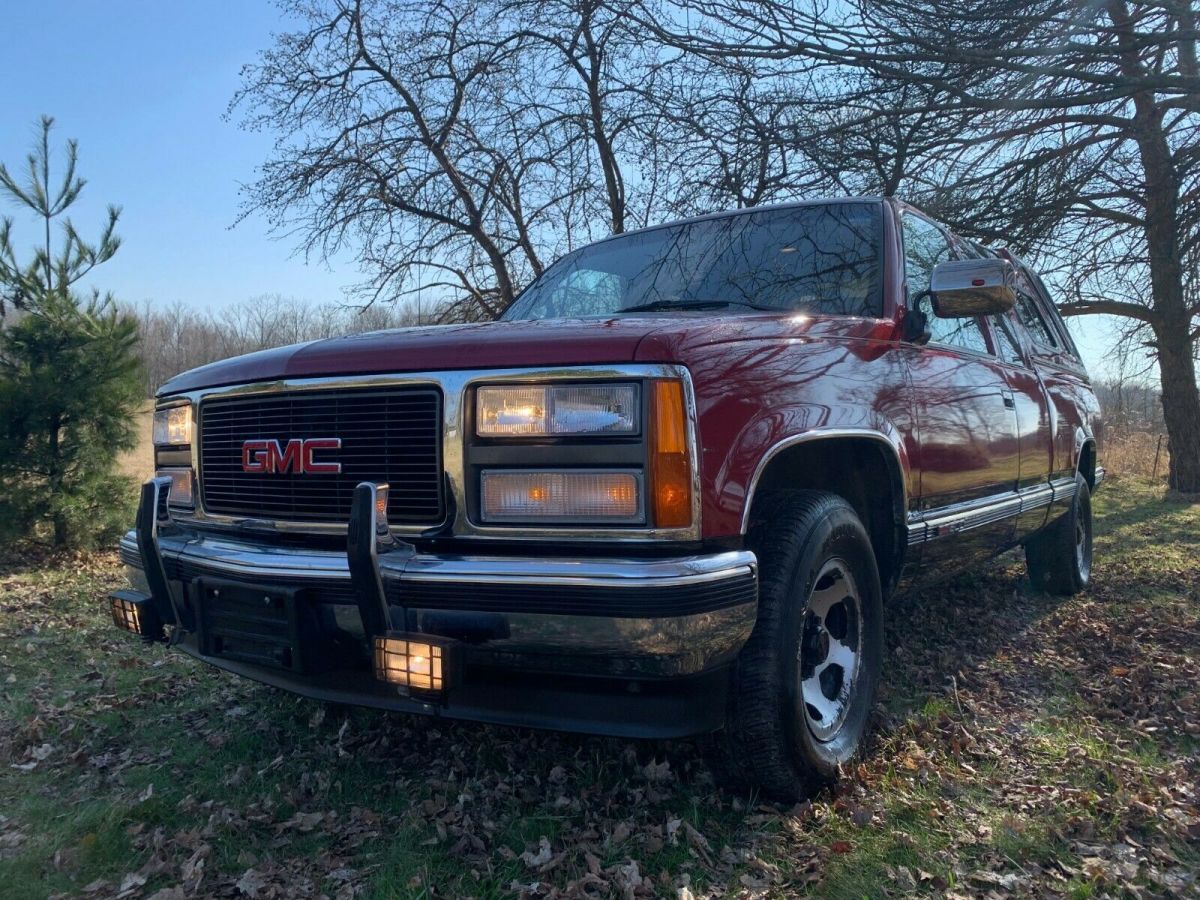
669,493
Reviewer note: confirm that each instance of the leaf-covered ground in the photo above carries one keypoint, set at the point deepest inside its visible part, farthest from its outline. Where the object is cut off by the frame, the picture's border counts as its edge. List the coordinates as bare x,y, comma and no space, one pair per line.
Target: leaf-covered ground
1025,745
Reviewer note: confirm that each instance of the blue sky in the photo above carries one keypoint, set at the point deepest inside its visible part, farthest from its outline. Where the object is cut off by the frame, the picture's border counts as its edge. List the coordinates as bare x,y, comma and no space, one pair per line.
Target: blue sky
144,86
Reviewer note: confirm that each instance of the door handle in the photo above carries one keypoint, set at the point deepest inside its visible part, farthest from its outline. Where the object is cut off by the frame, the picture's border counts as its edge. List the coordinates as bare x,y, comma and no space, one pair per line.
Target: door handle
1008,399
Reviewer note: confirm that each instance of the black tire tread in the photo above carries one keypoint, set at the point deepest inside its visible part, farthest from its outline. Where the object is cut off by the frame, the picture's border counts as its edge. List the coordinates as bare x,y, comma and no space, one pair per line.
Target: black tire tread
1050,554
751,752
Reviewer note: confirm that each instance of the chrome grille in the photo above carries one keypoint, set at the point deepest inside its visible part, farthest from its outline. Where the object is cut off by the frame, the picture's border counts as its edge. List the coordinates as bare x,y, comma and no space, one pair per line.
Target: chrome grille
388,435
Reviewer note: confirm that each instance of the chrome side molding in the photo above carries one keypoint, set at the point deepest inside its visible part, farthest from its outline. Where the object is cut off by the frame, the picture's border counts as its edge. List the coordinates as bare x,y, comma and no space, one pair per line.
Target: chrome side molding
943,521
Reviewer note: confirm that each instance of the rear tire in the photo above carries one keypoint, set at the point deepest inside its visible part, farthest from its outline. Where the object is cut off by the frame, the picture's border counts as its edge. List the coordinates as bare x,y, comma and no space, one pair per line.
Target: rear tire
804,683
1059,558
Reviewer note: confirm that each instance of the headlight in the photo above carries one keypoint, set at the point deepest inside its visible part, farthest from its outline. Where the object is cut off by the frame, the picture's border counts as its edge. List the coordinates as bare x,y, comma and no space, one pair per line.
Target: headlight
173,426
562,496
567,409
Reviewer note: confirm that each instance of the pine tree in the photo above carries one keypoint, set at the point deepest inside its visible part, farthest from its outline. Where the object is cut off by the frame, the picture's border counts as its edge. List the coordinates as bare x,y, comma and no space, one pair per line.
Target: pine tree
70,377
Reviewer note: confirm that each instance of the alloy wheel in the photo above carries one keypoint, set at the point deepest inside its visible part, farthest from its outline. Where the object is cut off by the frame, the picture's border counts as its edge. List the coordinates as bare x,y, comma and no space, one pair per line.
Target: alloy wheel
1083,543
830,653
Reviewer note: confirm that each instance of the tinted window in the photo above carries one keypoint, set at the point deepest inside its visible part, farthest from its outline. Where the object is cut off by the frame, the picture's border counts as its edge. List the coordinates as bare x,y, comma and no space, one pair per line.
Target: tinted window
1052,311
926,245
964,333
823,259
1031,317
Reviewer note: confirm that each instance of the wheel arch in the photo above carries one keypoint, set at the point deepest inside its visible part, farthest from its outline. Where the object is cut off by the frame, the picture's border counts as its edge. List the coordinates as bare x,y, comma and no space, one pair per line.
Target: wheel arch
1085,457
860,465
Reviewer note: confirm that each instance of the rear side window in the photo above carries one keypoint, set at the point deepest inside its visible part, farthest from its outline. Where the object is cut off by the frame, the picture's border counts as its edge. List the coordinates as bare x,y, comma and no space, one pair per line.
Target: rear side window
1031,317
1051,309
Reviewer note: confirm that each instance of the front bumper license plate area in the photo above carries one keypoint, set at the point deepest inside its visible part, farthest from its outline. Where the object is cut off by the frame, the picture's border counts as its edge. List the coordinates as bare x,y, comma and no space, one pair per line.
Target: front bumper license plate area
267,626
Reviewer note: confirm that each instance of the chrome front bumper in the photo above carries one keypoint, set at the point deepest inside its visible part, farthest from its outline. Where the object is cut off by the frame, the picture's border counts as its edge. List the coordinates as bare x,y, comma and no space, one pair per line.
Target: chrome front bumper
619,617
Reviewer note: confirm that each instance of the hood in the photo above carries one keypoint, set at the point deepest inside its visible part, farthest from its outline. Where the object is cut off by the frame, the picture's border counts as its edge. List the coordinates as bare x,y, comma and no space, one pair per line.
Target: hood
669,337
485,345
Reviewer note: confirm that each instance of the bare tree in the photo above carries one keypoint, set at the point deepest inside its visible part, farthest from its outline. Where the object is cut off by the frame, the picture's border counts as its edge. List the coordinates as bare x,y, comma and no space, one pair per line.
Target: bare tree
588,69
393,146
1081,127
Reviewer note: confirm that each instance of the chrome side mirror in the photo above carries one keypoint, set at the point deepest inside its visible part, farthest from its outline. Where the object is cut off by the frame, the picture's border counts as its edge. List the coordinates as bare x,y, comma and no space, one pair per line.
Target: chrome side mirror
962,288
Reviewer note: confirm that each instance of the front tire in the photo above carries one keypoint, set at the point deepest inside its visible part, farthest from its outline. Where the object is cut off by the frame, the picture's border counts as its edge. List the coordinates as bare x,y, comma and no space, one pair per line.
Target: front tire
804,683
1059,558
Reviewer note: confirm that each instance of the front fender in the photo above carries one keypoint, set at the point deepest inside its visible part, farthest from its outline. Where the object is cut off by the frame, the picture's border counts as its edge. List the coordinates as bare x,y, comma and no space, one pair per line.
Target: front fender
765,438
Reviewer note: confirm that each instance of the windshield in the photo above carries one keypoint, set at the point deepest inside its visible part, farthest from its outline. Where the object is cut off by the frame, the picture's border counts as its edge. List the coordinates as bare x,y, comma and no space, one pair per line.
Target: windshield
823,258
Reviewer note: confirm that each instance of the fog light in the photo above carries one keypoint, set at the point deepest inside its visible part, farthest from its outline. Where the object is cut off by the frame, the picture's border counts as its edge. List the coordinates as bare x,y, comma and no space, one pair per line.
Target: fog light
136,613
416,663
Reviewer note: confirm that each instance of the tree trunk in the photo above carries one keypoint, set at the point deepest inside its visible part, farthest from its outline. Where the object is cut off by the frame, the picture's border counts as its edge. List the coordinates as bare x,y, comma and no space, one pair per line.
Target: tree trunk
1181,407
1171,320
55,482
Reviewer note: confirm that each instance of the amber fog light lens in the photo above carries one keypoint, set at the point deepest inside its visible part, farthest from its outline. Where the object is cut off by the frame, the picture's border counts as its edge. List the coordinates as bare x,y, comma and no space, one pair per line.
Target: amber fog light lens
135,614
562,496
418,663
670,463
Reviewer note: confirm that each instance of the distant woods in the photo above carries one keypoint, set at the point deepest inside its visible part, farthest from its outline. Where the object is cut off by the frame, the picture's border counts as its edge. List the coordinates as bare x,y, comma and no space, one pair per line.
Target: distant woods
176,338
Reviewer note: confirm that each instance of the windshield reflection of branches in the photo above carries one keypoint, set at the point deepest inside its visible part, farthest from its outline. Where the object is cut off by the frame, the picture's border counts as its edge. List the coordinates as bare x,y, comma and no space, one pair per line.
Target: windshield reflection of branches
821,258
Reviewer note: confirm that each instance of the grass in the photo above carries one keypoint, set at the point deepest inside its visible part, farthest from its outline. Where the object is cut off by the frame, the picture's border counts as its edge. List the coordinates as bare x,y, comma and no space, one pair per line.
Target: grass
1024,744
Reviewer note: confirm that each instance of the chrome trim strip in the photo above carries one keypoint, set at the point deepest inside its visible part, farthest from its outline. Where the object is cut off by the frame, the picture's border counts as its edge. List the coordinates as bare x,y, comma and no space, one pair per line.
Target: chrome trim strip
653,646
455,386
817,434
931,524
1036,495
255,560
642,573
971,514
1064,489
1098,477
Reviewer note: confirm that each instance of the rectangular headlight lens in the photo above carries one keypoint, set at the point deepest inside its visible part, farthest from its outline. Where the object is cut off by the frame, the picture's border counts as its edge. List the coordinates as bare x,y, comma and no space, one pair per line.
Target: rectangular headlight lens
173,426
562,496
181,487
560,409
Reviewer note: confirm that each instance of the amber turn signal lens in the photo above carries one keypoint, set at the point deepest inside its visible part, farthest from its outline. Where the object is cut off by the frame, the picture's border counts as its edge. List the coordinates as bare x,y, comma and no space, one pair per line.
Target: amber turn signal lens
670,464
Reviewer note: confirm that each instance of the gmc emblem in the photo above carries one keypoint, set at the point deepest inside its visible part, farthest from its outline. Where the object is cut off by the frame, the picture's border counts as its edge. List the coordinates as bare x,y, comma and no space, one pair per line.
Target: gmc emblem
265,456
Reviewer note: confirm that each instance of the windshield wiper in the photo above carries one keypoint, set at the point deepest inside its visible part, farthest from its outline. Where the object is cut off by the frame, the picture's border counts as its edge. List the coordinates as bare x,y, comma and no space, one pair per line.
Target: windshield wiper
695,304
